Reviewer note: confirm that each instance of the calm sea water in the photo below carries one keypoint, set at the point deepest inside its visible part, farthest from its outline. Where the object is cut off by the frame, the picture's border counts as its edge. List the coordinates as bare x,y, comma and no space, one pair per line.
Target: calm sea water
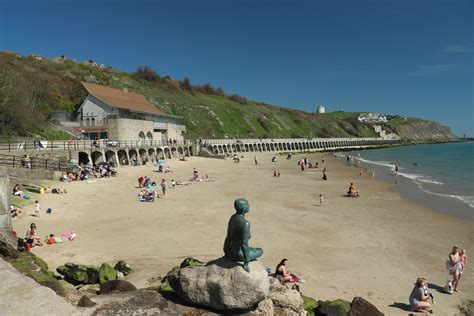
441,170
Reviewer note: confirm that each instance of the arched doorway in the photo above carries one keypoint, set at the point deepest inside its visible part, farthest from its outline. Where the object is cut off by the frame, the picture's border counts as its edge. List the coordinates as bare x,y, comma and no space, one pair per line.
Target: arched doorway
83,158
123,157
97,157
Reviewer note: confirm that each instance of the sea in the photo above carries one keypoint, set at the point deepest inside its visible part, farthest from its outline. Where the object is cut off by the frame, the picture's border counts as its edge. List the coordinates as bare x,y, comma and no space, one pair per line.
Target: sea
439,176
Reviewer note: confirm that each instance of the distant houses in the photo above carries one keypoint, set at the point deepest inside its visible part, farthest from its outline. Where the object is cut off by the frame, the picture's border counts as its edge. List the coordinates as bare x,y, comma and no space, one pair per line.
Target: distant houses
372,118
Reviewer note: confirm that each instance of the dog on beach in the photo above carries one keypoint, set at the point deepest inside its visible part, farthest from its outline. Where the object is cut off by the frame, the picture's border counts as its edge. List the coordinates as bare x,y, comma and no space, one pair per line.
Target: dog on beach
448,288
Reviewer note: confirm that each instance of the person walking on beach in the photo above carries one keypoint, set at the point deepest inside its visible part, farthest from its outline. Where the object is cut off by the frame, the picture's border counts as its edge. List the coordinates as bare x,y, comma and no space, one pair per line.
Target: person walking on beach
163,187
325,178
396,170
321,200
255,159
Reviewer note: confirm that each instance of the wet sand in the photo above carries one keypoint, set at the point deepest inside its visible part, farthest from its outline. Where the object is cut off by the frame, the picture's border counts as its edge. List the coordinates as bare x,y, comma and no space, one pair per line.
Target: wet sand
374,246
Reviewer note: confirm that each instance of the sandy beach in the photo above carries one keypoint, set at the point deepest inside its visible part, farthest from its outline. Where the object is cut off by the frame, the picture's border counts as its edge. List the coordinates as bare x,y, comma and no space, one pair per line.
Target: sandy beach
374,246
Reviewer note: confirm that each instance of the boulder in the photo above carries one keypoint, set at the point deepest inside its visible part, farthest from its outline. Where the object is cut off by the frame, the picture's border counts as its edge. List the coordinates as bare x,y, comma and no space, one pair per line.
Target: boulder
309,304
222,285
120,275
7,250
190,262
123,267
333,308
361,307
79,274
107,273
285,301
86,302
116,286
264,308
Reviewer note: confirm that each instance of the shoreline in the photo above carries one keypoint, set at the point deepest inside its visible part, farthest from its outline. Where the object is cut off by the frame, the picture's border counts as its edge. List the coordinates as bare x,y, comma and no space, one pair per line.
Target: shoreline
349,247
453,204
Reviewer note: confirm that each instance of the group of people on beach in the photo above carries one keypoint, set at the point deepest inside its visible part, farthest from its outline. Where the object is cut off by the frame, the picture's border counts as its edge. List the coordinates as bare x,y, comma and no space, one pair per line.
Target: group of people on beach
103,170
455,264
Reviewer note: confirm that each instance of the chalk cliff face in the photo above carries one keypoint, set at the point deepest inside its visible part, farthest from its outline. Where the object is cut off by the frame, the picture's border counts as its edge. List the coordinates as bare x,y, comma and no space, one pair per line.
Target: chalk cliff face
422,131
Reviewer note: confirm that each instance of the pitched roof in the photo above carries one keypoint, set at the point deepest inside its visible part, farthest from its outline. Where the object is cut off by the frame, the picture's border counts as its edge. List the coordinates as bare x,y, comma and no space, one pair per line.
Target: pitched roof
121,99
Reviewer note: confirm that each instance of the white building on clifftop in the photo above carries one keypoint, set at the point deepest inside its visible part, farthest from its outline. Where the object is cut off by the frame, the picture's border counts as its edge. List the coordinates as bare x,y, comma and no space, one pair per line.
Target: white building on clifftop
321,109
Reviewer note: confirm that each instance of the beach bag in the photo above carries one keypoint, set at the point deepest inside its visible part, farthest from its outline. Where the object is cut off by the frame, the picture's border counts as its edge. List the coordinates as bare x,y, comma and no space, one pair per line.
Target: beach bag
448,288
48,211
21,245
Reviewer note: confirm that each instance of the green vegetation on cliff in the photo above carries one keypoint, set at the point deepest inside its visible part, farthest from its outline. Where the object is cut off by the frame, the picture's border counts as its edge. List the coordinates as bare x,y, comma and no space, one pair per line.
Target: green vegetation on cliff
31,89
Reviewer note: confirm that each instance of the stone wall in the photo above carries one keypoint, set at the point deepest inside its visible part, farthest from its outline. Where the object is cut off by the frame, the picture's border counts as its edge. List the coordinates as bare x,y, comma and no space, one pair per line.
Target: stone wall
122,129
34,174
5,215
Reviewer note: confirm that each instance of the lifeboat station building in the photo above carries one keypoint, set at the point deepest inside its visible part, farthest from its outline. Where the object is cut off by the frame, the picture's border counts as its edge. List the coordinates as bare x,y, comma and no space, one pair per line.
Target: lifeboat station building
120,115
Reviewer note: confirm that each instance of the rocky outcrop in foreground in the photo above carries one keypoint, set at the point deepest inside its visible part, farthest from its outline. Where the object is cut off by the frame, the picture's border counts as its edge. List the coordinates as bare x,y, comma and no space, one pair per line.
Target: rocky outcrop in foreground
221,284
21,295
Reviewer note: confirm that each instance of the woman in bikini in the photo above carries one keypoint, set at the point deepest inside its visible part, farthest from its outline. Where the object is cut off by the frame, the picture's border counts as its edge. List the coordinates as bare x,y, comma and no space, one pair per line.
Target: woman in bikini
281,273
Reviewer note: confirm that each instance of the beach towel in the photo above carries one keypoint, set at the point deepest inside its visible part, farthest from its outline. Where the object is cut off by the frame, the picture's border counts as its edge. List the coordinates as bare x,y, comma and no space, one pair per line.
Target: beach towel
70,235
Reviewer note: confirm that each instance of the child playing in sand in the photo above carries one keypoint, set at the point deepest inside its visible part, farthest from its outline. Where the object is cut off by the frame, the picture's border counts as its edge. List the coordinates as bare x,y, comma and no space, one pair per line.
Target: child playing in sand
37,208
321,200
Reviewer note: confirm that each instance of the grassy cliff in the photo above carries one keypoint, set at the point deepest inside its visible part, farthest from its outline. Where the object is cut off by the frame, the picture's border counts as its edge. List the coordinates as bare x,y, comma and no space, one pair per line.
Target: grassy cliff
31,89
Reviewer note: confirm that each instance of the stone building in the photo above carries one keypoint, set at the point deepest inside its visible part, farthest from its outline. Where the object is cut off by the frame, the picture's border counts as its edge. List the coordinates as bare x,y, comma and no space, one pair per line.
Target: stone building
120,115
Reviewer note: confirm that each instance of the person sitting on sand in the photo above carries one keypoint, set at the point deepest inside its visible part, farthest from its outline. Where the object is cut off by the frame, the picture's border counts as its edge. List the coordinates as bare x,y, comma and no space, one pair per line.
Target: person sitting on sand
418,299
32,238
64,178
353,191
284,275
17,191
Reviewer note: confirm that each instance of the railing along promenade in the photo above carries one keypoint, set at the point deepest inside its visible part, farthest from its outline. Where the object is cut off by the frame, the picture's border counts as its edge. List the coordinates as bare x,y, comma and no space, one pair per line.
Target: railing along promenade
66,145
32,163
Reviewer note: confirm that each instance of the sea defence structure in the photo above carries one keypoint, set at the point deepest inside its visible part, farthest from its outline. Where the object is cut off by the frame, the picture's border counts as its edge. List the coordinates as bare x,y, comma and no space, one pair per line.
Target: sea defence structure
224,146
125,152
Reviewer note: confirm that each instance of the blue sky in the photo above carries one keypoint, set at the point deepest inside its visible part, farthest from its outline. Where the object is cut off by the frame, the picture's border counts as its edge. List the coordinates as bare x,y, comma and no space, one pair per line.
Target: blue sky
413,58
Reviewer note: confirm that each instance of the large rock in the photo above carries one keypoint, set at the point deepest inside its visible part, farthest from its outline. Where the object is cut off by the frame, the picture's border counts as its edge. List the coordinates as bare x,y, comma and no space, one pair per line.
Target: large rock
21,295
116,286
333,308
222,285
123,267
361,307
107,273
285,301
79,274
